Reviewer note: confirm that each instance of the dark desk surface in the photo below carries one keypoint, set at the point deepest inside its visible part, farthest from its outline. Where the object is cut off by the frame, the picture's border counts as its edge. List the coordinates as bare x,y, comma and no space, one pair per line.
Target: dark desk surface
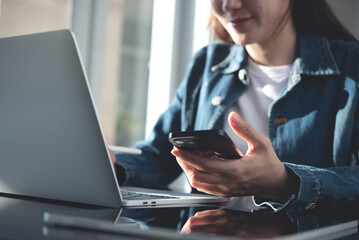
23,219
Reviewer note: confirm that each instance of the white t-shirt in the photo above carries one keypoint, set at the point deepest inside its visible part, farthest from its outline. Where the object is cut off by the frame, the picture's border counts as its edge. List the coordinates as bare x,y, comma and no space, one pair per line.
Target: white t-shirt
265,86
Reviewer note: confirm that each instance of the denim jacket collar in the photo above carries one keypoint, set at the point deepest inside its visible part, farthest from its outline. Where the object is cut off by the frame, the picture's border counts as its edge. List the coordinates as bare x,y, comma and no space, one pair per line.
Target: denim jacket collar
315,58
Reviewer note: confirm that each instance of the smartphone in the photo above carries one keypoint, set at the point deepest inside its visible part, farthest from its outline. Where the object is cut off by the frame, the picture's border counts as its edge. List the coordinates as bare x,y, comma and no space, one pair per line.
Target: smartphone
216,141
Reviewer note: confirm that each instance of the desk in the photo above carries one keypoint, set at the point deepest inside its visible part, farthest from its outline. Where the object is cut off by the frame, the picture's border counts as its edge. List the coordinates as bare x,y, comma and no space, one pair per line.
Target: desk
21,218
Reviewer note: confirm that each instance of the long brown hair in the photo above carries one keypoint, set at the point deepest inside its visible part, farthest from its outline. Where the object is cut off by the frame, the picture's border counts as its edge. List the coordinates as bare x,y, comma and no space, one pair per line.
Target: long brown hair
309,16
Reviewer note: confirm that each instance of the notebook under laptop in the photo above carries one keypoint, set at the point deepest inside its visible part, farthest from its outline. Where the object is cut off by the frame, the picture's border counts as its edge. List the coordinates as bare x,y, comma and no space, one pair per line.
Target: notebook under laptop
51,143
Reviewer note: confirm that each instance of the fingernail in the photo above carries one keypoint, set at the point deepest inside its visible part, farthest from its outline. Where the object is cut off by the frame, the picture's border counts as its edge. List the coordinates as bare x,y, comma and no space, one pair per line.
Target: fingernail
235,118
175,152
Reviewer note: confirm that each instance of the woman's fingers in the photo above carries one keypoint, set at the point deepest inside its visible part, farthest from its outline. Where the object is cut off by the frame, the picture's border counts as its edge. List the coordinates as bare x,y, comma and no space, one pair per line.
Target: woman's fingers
244,130
203,164
211,183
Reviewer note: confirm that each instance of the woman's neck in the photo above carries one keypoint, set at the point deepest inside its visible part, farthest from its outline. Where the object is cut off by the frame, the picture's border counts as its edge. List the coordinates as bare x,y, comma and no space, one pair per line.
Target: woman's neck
277,50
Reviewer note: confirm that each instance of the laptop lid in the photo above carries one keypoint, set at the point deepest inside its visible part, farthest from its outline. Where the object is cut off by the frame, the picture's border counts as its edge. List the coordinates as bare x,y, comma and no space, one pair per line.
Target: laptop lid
51,144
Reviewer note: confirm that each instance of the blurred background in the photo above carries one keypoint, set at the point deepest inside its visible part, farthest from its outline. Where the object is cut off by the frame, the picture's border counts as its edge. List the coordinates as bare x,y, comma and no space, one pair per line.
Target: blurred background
135,51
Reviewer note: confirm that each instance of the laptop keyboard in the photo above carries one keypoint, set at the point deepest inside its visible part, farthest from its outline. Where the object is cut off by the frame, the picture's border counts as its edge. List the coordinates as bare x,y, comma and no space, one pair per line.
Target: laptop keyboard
129,195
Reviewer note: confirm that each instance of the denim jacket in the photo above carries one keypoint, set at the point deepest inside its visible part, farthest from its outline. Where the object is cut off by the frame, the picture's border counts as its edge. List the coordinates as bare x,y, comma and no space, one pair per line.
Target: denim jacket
313,125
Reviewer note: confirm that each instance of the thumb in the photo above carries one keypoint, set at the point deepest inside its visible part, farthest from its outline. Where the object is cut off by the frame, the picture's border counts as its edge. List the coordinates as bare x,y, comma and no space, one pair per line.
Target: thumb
244,130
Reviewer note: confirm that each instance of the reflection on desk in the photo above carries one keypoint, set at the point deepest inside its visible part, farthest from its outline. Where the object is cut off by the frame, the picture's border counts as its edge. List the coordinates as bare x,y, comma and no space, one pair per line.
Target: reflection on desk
23,219
265,225
240,224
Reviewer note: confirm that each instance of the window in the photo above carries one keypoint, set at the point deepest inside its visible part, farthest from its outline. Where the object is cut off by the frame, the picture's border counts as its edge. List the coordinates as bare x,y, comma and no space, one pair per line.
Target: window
123,99
30,16
135,60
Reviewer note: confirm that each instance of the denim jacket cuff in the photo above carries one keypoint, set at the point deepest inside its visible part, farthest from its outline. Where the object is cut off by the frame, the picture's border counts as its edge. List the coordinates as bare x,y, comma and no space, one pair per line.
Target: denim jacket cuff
262,203
309,189
305,199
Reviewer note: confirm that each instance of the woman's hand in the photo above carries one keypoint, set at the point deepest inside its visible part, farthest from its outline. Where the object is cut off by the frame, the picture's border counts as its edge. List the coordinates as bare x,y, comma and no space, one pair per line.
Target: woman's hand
258,173
240,224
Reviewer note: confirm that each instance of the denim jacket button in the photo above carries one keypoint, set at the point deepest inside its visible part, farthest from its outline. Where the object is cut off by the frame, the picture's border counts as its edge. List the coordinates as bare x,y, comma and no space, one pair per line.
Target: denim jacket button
242,74
216,100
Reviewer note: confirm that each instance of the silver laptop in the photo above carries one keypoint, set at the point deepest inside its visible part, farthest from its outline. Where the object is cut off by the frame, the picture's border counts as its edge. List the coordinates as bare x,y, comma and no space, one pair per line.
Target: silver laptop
51,143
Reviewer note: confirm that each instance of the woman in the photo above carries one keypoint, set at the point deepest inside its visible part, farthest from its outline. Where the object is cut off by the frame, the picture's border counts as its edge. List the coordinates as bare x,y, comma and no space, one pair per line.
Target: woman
291,72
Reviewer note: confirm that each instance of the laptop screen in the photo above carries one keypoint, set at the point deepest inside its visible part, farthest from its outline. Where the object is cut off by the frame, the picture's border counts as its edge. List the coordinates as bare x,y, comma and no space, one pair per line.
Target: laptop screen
50,138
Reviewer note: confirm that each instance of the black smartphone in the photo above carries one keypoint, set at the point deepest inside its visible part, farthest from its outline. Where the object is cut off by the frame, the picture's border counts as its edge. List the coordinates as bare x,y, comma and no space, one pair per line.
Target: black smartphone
216,141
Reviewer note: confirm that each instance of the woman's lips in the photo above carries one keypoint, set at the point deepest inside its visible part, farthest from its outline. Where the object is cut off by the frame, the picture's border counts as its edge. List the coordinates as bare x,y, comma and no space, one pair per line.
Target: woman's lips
239,22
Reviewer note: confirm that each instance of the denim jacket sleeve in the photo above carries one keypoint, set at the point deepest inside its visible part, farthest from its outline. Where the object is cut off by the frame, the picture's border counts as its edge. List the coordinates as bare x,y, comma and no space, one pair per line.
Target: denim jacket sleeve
325,187
322,188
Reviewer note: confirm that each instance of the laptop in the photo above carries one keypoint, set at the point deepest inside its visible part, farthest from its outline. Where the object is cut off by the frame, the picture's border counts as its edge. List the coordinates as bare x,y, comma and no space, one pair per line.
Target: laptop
51,142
